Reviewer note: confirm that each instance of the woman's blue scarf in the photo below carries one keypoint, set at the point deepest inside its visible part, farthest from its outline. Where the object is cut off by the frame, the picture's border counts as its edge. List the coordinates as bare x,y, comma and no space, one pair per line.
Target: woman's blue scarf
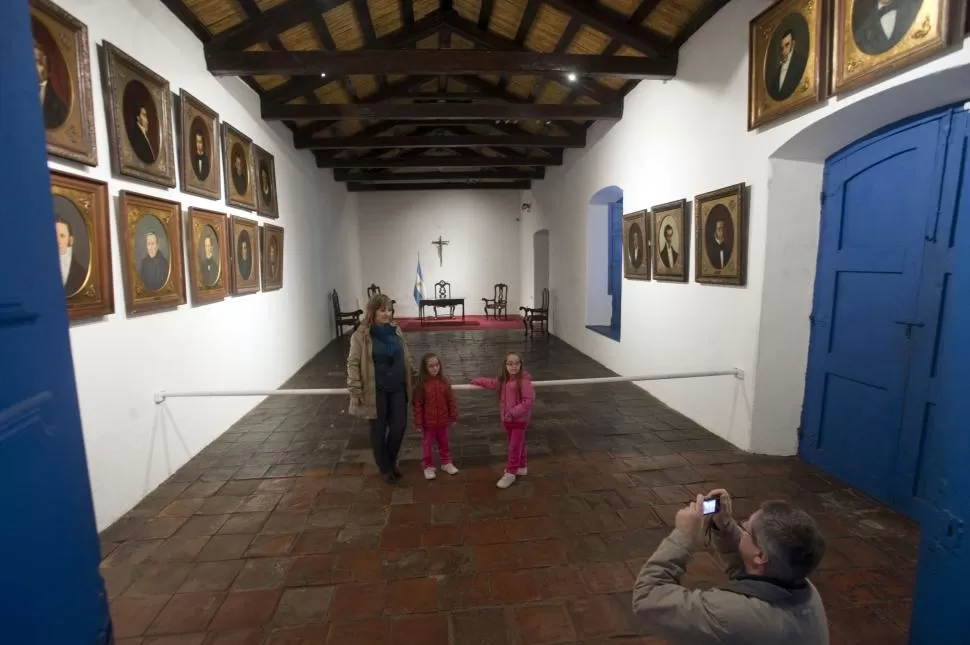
387,334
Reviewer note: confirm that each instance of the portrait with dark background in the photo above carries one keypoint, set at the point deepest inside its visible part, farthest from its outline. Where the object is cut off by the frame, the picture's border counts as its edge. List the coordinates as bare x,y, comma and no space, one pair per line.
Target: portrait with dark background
244,255
870,32
149,269
201,161
719,213
635,247
74,239
209,266
58,95
144,144
792,33
239,169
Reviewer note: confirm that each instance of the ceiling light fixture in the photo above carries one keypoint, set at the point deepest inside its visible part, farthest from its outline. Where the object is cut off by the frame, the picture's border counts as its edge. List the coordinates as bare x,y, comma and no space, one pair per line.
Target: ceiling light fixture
323,74
571,77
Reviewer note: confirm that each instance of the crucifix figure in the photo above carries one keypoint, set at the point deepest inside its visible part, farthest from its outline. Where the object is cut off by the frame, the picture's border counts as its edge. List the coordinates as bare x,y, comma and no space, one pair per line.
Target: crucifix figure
440,243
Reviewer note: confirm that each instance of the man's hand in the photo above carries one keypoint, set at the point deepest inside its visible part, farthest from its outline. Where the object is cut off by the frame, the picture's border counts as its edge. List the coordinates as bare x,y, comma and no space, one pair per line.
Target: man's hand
690,521
725,513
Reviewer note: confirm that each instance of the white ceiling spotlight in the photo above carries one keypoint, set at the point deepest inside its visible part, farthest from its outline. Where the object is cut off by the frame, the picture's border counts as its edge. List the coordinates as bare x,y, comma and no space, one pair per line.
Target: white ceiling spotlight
323,74
572,77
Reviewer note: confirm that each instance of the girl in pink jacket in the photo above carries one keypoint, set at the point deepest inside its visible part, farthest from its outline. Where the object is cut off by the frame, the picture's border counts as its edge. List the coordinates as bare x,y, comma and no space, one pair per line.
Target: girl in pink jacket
515,399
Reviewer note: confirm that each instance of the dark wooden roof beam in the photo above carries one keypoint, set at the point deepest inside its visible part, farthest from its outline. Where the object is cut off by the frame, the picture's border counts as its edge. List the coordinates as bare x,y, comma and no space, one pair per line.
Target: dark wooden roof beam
363,187
443,112
270,23
511,174
433,161
615,26
440,141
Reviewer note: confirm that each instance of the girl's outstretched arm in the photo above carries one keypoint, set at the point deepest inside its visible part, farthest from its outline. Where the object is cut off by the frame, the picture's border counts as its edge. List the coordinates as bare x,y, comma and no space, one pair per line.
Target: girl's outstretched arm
484,381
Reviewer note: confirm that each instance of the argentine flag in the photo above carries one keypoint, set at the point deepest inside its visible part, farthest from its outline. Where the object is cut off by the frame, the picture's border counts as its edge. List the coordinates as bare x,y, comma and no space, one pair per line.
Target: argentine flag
418,285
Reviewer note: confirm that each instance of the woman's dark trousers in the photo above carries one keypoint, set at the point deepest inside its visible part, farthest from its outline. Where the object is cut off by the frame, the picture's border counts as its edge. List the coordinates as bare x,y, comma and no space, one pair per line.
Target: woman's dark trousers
387,430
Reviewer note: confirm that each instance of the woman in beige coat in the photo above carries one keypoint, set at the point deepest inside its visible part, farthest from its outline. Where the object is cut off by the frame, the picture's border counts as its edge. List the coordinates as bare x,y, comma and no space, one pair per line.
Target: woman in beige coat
379,377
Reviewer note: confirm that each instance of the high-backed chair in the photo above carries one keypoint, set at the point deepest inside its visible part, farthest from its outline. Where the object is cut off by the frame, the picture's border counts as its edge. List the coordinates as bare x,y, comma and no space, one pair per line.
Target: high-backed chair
374,290
344,318
442,291
498,304
533,315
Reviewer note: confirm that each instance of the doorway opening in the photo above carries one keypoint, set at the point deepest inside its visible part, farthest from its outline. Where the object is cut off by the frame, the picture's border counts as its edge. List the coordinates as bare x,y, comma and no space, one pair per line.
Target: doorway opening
604,263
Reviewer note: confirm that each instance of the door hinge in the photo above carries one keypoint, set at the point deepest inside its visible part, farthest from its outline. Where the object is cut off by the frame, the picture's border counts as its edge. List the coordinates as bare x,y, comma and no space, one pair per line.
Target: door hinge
952,538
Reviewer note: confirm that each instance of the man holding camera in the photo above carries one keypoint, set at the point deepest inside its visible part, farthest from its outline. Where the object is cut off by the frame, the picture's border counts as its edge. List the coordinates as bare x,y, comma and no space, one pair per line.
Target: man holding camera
768,558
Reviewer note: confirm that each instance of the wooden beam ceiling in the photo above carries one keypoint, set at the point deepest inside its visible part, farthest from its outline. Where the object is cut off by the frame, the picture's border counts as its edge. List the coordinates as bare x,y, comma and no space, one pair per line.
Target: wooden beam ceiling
443,112
364,187
438,161
270,23
615,26
511,174
440,141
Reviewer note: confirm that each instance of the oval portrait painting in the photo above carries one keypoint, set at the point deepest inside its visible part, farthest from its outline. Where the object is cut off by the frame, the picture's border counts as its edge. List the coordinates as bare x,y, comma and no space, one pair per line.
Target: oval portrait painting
53,79
273,258
669,242
239,169
786,58
879,25
265,185
719,236
635,247
244,255
73,245
200,150
141,121
152,252
209,264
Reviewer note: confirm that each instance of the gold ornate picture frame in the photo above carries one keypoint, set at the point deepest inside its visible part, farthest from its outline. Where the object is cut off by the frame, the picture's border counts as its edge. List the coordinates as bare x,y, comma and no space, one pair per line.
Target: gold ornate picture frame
208,256
151,242
64,78
671,248
199,148
243,256
83,244
139,106
237,151
721,232
266,195
636,246
787,59
272,256
874,38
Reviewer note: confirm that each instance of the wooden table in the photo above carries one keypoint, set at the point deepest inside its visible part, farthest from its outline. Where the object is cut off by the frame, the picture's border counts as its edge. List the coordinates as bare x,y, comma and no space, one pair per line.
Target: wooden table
440,302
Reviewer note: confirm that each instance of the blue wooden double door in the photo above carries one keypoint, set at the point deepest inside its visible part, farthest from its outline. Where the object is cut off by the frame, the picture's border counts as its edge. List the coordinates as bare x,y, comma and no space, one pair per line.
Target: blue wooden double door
882,315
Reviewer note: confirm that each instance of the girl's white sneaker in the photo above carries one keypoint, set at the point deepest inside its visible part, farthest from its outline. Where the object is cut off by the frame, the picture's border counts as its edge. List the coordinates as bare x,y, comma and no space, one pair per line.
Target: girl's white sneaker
507,480
522,471
429,473
450,469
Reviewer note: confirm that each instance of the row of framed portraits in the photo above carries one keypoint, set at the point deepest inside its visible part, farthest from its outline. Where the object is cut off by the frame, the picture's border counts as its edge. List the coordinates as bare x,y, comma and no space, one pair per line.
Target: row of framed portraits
802,50
139,105
226,255
657,241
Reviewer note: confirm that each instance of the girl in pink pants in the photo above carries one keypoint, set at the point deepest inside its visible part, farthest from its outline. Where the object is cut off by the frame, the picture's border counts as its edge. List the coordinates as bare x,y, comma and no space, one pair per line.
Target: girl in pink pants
515,399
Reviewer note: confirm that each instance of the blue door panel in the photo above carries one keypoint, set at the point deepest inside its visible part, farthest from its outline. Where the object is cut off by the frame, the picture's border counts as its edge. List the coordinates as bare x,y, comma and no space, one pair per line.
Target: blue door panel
616,263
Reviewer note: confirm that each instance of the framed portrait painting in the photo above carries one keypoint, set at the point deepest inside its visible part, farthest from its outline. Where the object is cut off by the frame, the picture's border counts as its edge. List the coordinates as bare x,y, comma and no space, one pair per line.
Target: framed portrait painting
83,245
266,183
671,253
786,58
151,241
208,266
139,105
199,147
272,253
244,256
64,82
636,253
722,236
873,38
238,168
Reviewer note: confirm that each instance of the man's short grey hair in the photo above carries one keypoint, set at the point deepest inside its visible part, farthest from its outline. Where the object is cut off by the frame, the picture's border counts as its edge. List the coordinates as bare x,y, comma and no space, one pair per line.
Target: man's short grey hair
790,539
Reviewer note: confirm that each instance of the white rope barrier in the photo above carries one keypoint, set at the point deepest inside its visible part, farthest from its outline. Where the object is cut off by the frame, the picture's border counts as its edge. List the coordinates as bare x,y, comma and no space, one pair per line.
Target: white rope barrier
160,397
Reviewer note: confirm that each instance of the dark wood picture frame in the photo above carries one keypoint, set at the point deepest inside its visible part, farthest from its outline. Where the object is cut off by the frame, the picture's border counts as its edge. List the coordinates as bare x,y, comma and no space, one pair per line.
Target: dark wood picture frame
796,28
271,252
130,88
861,54
198,123
81,223
242,232
728,267
266,195
61,40
636,259
139,271
208,277
240,189
672,265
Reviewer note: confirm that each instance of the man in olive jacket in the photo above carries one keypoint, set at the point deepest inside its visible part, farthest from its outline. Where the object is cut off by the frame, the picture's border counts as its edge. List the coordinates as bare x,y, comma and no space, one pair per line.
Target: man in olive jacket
768,601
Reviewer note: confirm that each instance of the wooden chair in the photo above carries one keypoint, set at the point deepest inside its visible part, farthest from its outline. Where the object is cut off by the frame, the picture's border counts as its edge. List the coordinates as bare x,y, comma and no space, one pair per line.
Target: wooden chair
499,304
374,290
344,318
442,290
533,315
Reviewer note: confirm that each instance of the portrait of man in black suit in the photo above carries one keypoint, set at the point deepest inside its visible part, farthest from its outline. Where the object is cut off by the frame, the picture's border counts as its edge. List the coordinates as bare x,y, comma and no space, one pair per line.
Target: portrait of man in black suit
73,273
240,172
154,266
668,254
55,107
209,262
244,255
201,162
141,121
719,233
787,57
265,185
878,25
635,246
272,258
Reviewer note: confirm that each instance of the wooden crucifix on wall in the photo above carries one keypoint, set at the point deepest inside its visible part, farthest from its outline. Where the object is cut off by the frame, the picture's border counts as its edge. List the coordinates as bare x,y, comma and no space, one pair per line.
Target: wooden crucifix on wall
440,243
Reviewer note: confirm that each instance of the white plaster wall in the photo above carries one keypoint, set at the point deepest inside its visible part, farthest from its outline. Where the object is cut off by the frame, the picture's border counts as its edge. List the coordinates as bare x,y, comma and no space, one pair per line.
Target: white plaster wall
540,251
480,226
684,137
253,341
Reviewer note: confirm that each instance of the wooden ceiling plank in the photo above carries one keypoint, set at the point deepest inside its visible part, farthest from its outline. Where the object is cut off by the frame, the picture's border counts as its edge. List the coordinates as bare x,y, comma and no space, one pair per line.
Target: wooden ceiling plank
565,40
529,17
440,141
698,21
485,14
363,187
442,112
347,174
366,24
643,11
615,26
270,23
189,19
425,161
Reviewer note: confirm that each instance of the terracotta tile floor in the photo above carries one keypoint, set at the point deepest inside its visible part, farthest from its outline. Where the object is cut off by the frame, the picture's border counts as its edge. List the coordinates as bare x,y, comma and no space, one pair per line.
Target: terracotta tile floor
280,532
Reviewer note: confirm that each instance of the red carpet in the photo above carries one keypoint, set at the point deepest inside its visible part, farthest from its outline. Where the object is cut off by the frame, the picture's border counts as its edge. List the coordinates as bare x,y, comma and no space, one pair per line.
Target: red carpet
451,324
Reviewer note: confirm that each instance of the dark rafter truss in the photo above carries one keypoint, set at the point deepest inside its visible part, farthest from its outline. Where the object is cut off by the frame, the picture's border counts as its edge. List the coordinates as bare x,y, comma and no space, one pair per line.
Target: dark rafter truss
448,116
